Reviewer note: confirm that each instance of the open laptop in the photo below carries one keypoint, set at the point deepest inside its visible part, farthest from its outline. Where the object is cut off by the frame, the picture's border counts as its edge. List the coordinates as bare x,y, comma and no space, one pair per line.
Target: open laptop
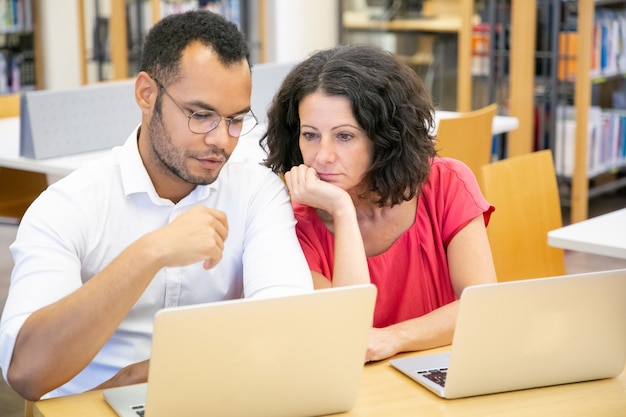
531,333
290,356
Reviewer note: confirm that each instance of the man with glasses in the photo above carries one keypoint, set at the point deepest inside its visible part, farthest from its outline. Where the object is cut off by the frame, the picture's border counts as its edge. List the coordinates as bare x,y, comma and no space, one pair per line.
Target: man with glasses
162,221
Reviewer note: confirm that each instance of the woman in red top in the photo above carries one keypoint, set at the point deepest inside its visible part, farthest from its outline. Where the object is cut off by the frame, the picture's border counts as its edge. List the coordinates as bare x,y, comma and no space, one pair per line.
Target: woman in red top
350,129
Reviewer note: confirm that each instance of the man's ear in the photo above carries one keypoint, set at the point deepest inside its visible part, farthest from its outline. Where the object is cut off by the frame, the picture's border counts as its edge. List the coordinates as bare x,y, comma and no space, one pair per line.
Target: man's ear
146,91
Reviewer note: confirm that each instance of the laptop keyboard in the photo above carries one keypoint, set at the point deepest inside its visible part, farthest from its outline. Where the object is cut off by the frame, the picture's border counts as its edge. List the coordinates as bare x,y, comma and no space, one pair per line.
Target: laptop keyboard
140,410
438,376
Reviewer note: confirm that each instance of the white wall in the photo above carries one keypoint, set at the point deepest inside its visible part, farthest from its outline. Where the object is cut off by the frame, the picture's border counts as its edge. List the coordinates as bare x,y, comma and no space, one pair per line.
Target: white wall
59,35
295,28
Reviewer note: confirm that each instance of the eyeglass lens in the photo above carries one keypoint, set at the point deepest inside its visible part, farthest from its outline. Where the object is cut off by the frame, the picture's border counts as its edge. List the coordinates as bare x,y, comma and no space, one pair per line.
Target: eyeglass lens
204,122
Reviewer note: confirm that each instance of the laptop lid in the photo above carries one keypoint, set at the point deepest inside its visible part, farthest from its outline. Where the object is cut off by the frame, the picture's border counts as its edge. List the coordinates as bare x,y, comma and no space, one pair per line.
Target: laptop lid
533,333
290,356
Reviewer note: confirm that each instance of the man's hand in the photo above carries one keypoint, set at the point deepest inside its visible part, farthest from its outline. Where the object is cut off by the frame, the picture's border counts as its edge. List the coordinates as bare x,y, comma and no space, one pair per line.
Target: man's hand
136,373
197,235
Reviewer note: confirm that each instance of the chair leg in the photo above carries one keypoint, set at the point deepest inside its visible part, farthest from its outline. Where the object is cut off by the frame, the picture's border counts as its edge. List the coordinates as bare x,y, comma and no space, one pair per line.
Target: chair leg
28,409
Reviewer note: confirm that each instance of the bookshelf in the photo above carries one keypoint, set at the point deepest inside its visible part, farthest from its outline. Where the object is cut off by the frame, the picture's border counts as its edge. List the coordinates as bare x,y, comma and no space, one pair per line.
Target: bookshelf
125,23
457,18
567,88
598,149
438,42
20,46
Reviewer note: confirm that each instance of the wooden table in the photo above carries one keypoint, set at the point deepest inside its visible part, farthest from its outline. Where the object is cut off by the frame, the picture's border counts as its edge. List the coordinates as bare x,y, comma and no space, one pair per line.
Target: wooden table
602,235
386,392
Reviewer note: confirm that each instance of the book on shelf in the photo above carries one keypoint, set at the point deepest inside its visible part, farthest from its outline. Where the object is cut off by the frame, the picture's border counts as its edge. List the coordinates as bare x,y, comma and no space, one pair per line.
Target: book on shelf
609,43
16,16
606,140
568,46
608,47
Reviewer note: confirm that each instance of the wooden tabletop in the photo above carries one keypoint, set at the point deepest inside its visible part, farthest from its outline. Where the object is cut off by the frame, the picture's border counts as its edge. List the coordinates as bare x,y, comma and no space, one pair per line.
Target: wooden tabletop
387,392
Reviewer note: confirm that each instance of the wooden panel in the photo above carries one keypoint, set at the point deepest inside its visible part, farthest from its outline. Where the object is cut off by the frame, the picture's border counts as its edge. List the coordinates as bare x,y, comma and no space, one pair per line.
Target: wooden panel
582,101
10,105
523,17
82,51
119,39
464,73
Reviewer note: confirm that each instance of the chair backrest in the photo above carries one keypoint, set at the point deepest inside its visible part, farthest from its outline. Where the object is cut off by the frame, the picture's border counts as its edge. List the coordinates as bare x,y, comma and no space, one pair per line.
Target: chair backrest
468,138
10,105
525,193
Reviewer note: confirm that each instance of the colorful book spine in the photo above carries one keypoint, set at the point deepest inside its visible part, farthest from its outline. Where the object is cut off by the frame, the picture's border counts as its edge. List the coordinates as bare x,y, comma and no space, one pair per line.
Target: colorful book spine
606,140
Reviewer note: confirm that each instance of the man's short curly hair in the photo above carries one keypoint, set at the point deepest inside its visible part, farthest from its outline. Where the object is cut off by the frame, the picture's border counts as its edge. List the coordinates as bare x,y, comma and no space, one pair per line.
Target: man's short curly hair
388,100
166,41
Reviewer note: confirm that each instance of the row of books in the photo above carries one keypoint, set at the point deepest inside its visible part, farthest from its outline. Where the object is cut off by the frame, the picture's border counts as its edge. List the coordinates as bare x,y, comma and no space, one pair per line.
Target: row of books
608,47
230,9
606,140
16,16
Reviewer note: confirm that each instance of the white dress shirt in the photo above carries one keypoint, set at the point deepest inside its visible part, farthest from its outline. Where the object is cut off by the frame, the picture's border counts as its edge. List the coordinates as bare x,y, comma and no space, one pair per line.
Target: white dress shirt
82,222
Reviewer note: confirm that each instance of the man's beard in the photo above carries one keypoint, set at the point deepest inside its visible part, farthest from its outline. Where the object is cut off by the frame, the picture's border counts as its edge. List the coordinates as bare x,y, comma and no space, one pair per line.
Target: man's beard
172,160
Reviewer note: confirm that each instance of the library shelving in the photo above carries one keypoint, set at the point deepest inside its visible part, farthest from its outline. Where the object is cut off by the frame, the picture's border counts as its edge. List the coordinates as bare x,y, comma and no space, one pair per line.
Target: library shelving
20,63
432,36
591,150
112,31
464,28
578,90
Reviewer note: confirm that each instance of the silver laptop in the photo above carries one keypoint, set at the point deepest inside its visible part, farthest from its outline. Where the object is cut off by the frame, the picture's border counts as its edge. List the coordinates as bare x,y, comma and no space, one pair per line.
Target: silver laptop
290,356
532,333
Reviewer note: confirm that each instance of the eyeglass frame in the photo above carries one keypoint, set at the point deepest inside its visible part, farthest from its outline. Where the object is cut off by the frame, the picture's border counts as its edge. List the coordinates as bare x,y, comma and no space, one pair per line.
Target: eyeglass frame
189,116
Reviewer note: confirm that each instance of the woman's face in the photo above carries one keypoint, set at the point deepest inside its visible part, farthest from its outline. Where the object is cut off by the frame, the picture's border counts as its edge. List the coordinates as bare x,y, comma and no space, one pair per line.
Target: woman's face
332,142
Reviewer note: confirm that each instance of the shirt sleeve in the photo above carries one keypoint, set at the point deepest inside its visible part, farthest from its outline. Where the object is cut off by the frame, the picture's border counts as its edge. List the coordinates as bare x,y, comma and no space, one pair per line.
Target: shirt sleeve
462,200
46,267
274,264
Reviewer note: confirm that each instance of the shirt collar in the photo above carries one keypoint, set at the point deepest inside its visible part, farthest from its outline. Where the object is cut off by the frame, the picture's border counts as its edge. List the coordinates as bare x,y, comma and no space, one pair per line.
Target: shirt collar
135,178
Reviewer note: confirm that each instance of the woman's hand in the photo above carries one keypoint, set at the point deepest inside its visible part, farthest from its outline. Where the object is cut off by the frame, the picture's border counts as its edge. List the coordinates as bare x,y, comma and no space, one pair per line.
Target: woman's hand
381,344
306,187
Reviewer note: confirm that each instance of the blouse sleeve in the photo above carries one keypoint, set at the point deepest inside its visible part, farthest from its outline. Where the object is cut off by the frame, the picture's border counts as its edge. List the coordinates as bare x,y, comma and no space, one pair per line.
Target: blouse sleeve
455,196
316,241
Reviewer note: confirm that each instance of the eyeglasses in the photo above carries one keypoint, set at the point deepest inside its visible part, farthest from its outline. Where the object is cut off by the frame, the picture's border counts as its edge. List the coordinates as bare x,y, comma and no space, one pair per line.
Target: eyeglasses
204,121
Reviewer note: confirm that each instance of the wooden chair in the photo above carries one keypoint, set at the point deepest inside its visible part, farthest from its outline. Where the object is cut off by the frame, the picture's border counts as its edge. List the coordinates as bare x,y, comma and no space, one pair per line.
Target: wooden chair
468,137
524,191
18,188
28,408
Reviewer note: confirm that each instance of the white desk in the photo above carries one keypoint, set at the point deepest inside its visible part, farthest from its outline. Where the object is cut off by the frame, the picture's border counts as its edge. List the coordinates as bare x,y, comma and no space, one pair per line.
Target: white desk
248,145
501,124
10,153
601,235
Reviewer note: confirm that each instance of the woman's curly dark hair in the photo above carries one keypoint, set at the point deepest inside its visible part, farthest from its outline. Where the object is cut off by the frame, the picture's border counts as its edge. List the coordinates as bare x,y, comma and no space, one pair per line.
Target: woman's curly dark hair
389,101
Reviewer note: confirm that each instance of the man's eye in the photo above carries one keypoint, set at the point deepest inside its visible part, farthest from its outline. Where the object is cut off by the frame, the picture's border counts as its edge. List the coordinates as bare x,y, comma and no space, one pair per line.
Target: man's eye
237,120
203,115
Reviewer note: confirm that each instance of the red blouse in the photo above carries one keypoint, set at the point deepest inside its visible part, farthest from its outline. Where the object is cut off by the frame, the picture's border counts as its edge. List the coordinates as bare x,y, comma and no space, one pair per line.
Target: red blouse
412,276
